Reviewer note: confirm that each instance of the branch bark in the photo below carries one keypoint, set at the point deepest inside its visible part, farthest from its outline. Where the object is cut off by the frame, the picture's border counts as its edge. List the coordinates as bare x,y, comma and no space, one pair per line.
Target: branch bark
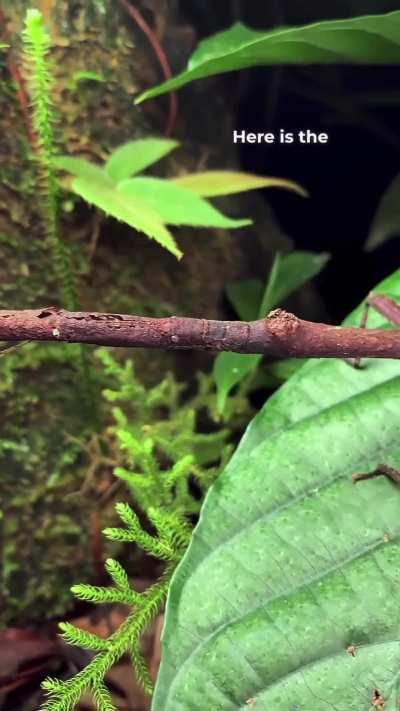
280,335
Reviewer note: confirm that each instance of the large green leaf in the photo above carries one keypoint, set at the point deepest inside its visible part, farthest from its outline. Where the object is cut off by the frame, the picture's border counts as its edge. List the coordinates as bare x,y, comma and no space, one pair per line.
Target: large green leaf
131,211
176,205
288,273
211,183
372,39
291,564
133,157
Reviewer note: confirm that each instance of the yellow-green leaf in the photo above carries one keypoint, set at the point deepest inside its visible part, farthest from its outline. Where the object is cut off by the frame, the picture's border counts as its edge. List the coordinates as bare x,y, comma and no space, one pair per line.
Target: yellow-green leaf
211,183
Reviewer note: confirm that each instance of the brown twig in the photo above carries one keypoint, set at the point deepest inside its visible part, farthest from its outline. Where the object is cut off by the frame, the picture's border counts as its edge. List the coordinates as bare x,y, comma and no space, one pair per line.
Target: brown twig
162,59
280,335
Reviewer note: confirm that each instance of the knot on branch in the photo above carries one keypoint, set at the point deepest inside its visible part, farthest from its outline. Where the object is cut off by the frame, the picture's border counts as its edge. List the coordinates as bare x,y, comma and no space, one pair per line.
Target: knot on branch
282,323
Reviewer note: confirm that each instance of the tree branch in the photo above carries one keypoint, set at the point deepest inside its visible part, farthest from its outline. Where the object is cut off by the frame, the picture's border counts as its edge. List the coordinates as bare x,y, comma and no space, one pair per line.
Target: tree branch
280,335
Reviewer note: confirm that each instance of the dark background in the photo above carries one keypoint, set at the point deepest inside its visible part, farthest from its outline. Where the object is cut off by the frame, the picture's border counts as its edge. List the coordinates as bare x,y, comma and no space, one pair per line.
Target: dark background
345,178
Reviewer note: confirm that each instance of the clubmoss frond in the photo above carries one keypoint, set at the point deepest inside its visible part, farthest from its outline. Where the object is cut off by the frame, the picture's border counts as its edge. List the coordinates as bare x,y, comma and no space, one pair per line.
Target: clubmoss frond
40,81
81,638
36,47
145,607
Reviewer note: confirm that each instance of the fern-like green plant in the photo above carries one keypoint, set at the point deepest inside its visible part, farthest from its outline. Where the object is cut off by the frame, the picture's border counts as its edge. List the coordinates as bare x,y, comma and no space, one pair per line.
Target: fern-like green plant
36,47
156,439
169,543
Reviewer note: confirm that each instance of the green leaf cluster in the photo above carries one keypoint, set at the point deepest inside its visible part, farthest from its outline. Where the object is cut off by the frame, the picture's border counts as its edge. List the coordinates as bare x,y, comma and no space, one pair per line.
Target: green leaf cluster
150,204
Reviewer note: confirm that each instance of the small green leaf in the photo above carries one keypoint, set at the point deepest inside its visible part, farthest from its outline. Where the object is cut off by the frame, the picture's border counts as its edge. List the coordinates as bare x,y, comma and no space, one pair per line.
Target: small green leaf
176,205
386,222
133,157
133,212
362,40
81,168
212,183
288,273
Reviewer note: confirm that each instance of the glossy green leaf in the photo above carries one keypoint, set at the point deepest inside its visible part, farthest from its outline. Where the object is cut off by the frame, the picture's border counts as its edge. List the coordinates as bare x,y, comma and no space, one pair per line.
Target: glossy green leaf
291,564
135,156
369,40
176,205
212,183
132,212
288,273
386,222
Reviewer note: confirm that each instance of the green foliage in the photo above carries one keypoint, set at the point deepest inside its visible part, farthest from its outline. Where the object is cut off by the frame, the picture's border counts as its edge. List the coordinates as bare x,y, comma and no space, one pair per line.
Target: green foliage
169,543
369,40
162,449
44,529
162,425
149,204
299,563
252,301
40,81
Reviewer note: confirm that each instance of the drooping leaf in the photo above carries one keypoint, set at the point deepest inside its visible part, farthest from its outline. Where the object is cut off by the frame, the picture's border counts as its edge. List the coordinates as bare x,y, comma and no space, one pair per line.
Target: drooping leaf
133,157
370,40
176,205
289,594
128,210
81,168
212,183
386,222
288,273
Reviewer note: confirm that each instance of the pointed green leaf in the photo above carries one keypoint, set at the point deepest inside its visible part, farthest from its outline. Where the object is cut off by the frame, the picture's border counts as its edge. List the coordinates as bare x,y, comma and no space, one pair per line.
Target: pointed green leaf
212,183
81,168
369,40
288,273
133,157
300,564
176,205
133,212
